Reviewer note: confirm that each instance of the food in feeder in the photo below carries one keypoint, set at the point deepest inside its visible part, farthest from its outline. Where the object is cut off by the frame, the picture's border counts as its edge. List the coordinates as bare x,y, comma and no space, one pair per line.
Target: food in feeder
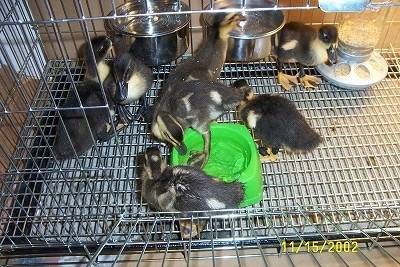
359,33
375,65
362,71
342,69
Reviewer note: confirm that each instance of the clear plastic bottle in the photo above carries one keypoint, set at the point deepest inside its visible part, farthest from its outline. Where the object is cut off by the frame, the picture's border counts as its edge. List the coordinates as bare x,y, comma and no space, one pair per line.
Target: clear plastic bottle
359,33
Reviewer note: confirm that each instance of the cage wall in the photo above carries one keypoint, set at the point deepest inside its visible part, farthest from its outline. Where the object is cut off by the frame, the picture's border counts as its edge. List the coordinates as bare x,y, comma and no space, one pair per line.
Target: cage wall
347,190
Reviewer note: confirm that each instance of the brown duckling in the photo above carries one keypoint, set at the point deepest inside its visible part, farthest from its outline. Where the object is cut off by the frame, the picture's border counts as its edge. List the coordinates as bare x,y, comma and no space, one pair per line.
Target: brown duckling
302,44
208,60
95,63
133,79
78,129
276,121
184,189
194,104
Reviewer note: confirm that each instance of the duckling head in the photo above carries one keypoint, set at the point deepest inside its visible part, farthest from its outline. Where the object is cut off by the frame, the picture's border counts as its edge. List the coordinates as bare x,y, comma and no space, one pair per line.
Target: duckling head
226,22
167,128
242,84
154,164
101,46
123,69
328,34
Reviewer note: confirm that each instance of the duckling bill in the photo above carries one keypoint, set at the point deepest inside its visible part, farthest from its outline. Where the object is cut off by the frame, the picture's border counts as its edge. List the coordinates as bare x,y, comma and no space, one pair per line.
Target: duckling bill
194,104
276,121
133,79
302,44
184,189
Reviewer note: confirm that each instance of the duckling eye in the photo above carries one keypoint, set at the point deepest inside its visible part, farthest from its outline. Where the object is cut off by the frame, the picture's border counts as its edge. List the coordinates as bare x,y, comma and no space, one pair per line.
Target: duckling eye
101,48
166,134
326,37
127,72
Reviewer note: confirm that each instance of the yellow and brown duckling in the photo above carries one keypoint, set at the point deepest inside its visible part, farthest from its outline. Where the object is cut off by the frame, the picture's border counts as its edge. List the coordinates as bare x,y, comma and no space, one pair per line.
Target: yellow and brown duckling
184,189
95,63
133,79
276,121
302,44
78,129
194,104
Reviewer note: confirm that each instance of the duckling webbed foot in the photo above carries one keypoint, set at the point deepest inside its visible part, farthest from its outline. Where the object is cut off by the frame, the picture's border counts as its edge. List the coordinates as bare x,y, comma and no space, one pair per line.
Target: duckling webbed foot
287,81
108,132
267,154
147,114
308,81
199,159
124,116
144,111
189,230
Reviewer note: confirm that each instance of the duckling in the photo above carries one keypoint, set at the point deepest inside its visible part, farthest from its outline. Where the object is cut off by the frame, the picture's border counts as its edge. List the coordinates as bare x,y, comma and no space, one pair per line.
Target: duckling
97,65
277,122
300,43
133,80
208,60
184,189
78,129
205,64
101,46
194,104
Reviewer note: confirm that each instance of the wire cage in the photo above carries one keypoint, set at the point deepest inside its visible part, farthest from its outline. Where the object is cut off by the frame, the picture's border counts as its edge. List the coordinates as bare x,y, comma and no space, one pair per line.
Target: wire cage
317,207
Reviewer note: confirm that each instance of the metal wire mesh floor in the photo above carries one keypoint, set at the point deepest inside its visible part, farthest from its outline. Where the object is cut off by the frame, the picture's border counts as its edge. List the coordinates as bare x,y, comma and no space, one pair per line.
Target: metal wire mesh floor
349,187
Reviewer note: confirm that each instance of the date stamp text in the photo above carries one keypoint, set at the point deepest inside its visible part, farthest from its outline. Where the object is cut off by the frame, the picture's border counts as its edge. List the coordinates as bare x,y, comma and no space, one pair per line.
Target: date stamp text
319,246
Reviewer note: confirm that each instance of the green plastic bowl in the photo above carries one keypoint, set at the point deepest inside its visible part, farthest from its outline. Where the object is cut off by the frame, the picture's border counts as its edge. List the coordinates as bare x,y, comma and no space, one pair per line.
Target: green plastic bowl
233,157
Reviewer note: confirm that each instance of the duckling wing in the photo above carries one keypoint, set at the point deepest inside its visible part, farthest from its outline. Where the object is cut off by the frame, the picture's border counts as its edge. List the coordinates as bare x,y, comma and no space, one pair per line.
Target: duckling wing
73,134
215,94
199,191
71,139
294,43
282,125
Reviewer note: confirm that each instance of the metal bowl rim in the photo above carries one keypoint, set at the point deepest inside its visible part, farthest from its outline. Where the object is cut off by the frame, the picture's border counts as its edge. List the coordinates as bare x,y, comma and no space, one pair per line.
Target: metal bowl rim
252,37
259,36
179,27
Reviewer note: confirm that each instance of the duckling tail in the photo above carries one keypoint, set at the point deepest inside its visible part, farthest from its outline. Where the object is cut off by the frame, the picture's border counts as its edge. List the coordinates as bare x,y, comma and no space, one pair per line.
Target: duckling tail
306,140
